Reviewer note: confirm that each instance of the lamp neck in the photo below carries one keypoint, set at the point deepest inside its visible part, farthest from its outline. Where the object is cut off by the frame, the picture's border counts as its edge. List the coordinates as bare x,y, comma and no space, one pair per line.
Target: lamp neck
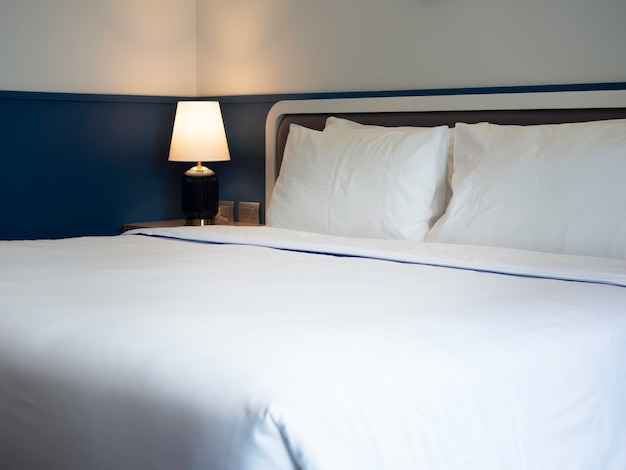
199,170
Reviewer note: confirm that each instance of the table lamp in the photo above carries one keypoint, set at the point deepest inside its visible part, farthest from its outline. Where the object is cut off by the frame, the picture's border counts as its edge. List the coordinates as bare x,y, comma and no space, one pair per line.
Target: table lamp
199,136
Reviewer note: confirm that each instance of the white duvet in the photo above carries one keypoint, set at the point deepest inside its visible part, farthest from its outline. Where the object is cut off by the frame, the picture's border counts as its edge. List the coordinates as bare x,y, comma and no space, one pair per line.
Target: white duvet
254,348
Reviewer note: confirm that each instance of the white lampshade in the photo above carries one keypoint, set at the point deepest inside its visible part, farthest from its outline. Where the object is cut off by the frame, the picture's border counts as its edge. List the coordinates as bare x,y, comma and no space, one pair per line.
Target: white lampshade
198,134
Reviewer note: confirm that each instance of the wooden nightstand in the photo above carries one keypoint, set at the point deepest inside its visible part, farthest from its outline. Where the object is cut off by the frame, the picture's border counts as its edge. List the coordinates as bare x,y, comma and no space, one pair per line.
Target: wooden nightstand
170,223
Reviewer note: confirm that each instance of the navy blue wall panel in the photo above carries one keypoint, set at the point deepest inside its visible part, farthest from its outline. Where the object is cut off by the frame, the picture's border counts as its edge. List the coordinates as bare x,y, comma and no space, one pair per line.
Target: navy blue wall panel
73,165
83,166
243,177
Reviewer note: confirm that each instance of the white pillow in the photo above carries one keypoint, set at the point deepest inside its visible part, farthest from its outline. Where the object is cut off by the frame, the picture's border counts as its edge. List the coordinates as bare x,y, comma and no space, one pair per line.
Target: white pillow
367,184
443,187
557,188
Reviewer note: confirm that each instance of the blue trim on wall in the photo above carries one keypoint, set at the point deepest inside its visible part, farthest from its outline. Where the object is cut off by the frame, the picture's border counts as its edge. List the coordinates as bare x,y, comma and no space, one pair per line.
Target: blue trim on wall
84,164
89,97
267,98
422,92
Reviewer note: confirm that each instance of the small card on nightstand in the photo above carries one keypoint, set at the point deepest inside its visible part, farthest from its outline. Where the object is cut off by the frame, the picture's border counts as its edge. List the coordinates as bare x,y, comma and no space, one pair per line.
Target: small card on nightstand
249,213
226,213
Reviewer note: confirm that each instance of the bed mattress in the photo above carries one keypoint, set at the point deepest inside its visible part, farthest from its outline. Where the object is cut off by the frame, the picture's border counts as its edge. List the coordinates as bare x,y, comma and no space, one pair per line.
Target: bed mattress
261,348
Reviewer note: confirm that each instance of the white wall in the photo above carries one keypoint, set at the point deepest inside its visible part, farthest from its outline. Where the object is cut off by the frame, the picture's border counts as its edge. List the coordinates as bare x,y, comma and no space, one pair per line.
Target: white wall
281,46
145,47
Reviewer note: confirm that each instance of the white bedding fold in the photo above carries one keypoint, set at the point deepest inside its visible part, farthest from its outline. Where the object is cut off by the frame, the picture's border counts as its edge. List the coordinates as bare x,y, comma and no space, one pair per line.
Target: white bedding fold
481,258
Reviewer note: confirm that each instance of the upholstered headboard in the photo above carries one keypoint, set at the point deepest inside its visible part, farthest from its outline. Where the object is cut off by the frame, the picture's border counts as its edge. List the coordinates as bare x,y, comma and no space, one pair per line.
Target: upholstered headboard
508,108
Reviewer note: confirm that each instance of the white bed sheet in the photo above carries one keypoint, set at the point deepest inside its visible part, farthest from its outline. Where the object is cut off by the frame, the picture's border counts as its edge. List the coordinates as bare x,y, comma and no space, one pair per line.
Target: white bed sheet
144,352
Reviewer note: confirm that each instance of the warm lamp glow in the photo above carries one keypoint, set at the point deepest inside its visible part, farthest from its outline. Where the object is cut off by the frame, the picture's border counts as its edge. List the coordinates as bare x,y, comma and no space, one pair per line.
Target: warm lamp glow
198,134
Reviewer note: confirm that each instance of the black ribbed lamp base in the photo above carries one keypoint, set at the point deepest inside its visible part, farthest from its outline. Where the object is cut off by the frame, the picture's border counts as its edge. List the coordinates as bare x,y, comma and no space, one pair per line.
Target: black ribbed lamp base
200,196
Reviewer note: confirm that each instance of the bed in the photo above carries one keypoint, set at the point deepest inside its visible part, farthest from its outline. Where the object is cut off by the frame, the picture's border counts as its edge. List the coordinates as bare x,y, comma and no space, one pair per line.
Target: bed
447,291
